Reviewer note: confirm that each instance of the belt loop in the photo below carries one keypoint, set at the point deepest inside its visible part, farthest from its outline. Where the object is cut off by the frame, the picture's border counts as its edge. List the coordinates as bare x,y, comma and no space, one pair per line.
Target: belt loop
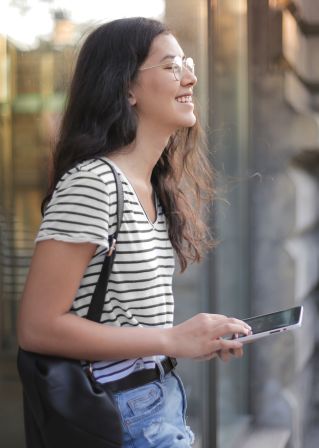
161,370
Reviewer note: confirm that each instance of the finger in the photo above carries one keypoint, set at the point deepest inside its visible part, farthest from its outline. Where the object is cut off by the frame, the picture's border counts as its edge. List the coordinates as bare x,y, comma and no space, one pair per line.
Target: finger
225,344
206,357
239,322
224,355
234,320
238,352
228,329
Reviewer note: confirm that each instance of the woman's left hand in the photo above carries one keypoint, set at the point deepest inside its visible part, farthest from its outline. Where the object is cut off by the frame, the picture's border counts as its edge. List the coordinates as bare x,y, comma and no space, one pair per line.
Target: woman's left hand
224,355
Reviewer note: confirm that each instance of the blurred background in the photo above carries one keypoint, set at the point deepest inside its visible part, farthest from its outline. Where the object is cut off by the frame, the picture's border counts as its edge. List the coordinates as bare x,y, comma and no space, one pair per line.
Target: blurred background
257,63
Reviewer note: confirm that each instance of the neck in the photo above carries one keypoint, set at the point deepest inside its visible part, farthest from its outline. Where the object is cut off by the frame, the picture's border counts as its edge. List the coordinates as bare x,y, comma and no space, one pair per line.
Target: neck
138,159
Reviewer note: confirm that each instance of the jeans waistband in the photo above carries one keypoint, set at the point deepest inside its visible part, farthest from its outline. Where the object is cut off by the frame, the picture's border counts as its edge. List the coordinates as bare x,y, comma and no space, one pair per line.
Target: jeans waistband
141,377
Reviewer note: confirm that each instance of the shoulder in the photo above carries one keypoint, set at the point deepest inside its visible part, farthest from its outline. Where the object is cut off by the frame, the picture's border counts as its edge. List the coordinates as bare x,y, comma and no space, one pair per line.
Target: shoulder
93,174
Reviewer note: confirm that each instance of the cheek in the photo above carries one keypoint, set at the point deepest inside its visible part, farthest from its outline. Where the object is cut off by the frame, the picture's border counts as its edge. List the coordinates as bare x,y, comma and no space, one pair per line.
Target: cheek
157,95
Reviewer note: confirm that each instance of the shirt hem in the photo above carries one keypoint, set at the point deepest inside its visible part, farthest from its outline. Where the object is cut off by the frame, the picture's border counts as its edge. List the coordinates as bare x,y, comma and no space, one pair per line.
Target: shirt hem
66,239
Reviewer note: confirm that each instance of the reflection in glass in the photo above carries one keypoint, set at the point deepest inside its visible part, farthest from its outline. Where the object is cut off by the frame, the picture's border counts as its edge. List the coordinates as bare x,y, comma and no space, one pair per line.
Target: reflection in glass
230,99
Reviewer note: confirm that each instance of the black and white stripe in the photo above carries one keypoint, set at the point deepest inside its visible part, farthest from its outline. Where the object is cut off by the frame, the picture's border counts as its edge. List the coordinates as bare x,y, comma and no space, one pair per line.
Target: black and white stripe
83,209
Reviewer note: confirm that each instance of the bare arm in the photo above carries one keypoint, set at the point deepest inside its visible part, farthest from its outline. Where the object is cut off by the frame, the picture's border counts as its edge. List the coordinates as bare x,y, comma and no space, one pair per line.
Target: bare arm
45,324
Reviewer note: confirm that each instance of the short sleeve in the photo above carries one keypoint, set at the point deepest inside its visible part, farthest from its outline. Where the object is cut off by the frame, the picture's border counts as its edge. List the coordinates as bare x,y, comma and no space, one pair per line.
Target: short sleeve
78,211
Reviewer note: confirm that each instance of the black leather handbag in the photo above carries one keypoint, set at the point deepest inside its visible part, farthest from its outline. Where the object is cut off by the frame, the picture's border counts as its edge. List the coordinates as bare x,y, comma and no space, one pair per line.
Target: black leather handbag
64,406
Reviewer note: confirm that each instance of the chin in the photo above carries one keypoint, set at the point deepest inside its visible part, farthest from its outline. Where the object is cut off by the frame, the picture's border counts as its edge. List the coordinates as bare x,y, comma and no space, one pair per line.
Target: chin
189,122
183,122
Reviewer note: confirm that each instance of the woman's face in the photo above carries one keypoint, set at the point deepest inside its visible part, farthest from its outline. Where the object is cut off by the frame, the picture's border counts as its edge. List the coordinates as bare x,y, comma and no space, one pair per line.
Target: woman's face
158,97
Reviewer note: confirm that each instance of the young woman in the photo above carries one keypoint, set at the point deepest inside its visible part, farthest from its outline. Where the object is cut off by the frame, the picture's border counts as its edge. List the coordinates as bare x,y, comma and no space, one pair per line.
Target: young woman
130,103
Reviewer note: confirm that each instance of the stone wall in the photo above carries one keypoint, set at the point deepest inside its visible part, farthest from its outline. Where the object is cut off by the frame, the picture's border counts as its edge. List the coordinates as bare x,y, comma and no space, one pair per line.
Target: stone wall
285,217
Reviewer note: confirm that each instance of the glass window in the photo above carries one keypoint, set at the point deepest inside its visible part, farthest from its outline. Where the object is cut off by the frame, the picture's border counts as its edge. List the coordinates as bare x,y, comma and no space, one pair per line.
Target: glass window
229,141
191,295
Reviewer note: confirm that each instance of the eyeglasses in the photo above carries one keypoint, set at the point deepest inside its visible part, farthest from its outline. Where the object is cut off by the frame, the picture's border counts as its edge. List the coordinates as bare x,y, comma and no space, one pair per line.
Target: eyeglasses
178,65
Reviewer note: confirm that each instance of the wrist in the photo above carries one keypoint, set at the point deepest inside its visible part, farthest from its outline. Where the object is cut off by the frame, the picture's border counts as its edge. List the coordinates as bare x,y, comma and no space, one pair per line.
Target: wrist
166,341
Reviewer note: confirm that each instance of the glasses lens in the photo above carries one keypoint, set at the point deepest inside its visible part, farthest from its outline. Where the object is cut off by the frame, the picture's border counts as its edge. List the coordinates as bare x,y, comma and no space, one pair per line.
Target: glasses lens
179,64
177,67
189,64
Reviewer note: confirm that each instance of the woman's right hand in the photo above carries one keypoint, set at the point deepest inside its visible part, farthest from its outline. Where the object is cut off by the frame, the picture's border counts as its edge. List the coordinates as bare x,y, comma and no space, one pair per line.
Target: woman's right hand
202,337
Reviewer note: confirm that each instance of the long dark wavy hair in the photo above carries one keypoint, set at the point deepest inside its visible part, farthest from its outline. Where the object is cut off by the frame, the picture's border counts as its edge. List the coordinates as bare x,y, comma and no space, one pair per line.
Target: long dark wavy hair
99,119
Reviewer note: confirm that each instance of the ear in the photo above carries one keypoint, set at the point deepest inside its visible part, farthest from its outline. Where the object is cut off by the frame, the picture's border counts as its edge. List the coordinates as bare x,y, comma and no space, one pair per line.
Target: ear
131,98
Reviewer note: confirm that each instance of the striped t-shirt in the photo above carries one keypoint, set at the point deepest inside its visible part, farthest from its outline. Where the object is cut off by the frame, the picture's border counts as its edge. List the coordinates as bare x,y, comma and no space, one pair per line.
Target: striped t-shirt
83,209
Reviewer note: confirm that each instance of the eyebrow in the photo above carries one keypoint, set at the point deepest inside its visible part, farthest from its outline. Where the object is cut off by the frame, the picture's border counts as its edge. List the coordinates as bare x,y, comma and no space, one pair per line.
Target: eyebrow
170,56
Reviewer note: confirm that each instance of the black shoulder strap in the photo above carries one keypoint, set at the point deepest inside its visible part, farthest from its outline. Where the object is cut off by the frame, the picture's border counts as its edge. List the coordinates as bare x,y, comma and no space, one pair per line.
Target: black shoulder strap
97,302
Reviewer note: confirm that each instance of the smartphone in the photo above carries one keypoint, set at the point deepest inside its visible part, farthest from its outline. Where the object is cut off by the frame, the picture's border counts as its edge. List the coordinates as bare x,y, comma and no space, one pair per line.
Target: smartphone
272,323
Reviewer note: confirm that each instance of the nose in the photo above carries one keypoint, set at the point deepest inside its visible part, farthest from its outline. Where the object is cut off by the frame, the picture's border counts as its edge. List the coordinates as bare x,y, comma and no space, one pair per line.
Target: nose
188,78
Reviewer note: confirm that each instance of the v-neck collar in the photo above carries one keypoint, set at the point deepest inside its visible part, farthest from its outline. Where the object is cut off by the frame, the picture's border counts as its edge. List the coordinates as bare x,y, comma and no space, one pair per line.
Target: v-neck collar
153,224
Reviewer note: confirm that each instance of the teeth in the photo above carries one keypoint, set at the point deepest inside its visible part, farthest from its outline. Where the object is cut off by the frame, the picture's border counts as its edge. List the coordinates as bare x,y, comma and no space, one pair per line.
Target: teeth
184,99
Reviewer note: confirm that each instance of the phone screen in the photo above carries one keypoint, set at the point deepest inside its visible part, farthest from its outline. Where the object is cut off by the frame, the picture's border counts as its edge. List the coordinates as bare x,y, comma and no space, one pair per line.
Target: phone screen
271,321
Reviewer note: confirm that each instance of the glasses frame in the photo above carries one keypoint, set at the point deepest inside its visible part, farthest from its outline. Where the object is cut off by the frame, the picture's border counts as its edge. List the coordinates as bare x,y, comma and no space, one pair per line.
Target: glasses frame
178,65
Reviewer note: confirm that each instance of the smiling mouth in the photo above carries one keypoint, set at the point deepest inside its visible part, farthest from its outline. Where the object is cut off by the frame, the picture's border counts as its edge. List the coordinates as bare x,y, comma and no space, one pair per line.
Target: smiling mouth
184,99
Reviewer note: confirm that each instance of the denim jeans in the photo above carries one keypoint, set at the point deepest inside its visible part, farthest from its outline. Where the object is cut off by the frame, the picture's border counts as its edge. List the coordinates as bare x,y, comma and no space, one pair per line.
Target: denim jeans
153,415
